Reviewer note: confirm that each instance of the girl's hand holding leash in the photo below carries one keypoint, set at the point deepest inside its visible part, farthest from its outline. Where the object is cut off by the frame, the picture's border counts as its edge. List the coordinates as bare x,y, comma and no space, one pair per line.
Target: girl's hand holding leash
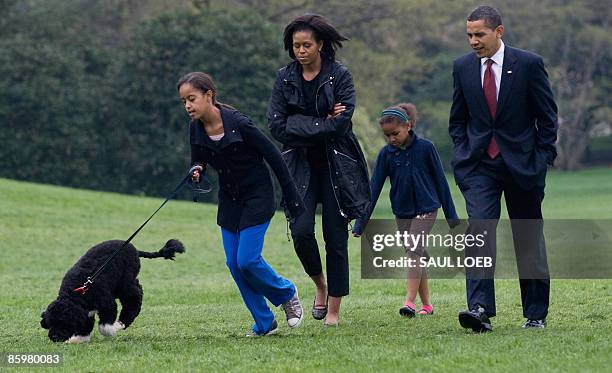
195,173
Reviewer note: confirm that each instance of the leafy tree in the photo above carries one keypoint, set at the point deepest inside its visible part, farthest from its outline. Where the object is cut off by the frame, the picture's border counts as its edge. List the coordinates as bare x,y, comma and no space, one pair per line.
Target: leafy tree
79,109
52,89
88,96
575,41
238,49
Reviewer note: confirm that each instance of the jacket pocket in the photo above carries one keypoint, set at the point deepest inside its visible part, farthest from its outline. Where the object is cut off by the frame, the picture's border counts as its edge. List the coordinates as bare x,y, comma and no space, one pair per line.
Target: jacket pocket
345,156
289,156
285,152
297,165
290,93
347,170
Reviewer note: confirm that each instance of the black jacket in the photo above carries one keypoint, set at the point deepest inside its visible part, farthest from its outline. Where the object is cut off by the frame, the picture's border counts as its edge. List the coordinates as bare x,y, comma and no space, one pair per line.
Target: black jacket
525,126
246,192
348,169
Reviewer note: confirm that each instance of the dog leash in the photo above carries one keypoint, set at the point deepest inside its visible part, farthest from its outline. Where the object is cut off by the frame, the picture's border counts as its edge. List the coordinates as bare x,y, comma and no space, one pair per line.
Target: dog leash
195,188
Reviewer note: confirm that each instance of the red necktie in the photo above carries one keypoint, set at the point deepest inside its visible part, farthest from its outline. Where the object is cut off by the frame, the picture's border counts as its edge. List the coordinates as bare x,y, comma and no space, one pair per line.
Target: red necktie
490,93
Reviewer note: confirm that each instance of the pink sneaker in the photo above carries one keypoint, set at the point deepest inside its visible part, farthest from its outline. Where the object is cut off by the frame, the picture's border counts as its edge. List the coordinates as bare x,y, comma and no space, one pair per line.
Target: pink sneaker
426,310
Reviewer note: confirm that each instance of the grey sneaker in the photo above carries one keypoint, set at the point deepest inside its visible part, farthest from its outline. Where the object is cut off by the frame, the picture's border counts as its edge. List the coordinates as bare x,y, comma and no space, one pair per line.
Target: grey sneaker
273,330
293,311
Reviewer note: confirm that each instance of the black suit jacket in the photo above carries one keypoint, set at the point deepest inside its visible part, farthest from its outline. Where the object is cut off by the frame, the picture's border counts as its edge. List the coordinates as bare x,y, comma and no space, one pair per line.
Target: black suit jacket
525,126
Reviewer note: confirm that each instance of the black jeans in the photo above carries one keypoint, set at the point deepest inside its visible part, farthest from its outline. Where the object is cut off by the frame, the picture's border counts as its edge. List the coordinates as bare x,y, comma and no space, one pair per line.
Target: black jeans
482,190
335,234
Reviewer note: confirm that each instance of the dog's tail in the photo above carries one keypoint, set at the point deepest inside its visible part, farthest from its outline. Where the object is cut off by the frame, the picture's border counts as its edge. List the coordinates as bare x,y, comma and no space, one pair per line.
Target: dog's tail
167,252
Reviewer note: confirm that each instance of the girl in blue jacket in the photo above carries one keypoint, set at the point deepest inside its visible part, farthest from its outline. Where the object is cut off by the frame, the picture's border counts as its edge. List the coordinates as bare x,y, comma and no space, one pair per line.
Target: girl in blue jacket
226,140
418,190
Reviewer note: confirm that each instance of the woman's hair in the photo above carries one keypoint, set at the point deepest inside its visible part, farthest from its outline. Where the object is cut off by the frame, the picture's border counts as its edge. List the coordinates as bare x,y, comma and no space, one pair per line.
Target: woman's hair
401,113
321,29
203,83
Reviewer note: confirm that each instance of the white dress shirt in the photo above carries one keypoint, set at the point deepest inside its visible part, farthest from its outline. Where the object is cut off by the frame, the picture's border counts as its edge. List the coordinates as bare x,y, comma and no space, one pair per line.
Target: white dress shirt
498,63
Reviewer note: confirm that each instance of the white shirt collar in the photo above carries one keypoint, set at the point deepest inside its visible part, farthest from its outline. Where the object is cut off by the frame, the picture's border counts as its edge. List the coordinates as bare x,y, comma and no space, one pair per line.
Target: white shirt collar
498,57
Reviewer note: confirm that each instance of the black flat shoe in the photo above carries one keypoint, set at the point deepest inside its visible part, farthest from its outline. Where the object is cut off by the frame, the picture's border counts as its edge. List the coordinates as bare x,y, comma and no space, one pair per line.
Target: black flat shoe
318,312
476,319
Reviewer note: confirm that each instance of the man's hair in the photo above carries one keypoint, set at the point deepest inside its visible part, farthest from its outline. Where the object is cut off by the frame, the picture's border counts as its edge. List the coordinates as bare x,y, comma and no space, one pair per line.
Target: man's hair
488,14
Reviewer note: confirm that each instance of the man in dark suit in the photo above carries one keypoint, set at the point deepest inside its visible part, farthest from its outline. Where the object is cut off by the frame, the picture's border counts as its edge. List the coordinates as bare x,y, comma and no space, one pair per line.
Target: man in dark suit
503,123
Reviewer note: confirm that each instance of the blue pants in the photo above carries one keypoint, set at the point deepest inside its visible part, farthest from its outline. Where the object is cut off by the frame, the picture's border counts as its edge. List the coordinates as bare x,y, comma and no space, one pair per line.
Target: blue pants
256,280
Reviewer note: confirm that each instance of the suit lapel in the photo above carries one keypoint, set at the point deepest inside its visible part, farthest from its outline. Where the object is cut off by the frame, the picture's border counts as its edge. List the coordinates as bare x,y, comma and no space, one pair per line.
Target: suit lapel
475,80
506,79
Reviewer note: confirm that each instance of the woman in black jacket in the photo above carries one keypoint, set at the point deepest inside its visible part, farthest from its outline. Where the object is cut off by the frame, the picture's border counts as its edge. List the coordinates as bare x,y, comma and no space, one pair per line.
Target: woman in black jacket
226,140
310,112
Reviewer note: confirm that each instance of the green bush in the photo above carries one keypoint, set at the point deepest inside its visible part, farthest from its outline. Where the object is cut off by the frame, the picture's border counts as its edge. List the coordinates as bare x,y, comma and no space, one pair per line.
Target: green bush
239,50
76,110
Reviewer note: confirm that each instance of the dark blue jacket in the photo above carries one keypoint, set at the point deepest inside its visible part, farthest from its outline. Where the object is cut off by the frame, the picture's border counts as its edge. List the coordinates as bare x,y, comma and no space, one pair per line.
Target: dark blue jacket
418,184
525,126
246,192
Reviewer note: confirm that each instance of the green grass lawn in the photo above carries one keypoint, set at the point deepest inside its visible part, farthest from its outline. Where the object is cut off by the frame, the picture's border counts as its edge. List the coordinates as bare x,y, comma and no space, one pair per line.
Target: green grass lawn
193,318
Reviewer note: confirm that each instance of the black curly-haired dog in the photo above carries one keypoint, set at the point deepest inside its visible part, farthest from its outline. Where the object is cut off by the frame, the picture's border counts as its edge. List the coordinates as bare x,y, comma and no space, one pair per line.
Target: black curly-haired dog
70,318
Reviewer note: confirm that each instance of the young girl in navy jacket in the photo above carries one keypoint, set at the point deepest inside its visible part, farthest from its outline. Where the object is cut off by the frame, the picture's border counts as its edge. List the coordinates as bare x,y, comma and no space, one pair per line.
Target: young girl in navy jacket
226,140
418,189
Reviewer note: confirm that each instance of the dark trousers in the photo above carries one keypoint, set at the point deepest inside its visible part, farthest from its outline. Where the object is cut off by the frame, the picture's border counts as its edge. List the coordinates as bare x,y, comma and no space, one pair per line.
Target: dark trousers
335,234
482,190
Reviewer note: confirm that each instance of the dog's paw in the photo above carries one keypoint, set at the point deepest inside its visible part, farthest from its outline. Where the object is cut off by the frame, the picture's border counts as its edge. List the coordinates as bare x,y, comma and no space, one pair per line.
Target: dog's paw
109,330
79,339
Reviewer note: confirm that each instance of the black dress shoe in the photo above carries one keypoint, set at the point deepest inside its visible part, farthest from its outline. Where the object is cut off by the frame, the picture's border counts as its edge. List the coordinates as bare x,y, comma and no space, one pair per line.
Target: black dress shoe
476,319
535,324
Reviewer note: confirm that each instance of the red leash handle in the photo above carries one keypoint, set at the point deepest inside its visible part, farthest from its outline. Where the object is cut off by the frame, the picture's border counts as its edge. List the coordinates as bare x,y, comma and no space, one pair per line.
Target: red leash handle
83,289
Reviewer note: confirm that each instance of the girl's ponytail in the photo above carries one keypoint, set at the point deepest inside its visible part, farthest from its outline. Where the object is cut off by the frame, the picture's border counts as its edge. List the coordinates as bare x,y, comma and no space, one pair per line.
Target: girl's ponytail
403,112
410,109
